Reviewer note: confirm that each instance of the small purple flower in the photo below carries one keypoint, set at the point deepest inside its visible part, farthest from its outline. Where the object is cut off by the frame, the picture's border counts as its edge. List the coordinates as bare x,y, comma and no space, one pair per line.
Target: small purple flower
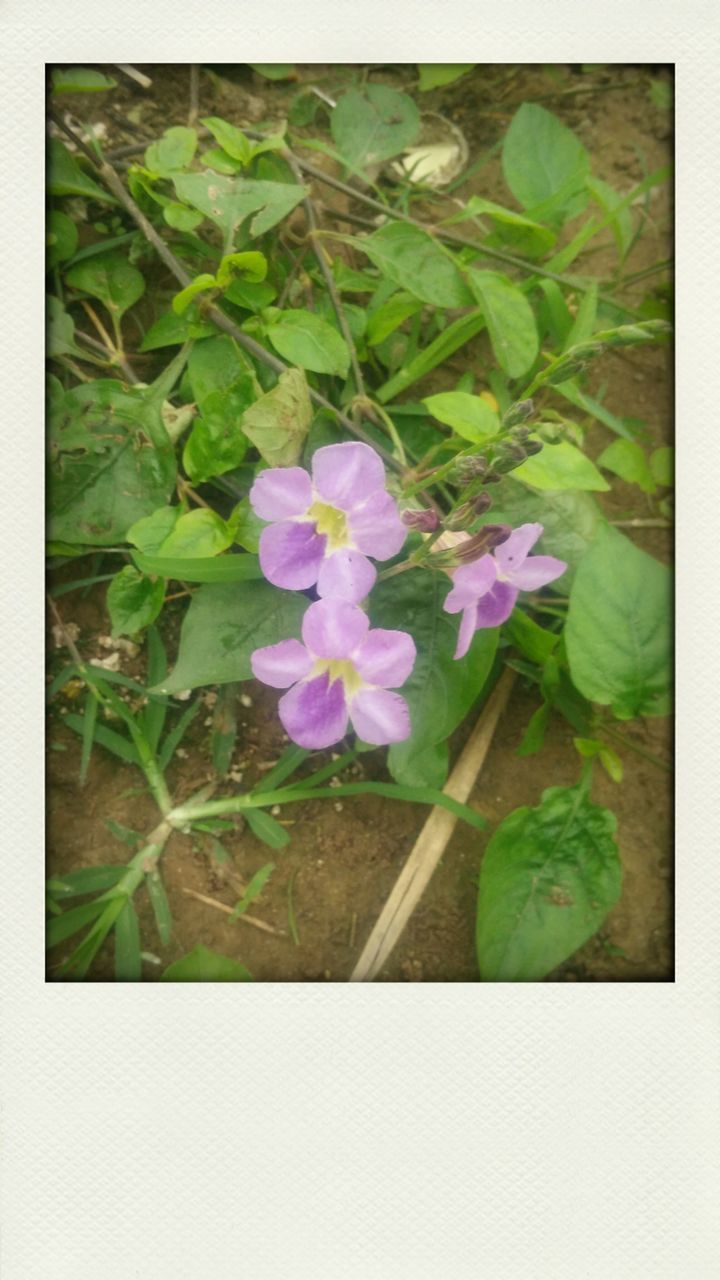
324,527
341,671
486,590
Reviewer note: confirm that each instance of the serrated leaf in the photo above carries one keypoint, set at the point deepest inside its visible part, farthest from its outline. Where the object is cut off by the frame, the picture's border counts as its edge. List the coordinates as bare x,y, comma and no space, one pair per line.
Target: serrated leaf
373,124
548,879
229,201
225,624
133,601
618,632
203,965
278,423
306,340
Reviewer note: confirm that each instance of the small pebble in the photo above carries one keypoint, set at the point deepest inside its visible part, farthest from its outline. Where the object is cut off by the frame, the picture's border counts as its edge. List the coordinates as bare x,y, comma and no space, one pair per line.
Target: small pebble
338,806
183,695
276,810
210,698
181,753
245,700
235,775
207,721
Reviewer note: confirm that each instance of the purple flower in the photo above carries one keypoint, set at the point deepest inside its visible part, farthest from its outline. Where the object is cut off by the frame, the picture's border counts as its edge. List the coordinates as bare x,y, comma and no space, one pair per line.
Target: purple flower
341,671
324,527
486,590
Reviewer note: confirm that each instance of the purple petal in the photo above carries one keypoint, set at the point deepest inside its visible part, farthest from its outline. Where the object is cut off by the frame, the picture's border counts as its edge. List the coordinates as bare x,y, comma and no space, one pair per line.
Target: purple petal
314,713
280,665
291,554
281,492
470,582
380,717
536,572
376,528
511,554
346,575
385,658
496,606
344,474
334,628
468,627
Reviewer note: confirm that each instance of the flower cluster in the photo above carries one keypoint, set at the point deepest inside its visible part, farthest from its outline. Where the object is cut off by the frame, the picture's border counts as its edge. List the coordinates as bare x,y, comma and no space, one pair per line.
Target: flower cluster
323,528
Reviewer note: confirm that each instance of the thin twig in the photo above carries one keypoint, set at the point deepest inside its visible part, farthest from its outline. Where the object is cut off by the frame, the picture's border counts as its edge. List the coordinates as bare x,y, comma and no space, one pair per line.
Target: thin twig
297,263
107,345
228,911
113,183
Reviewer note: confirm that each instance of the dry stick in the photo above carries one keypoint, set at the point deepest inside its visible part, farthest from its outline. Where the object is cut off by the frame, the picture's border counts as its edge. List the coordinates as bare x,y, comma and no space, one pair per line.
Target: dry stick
432,841
113,183
220,906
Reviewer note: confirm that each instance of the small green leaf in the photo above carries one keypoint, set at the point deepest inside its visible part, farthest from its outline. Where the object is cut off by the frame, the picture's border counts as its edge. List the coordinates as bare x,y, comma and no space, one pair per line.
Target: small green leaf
470,416
61,238
173,330
197,534
534,735
278,423
304,339
561,466
160,905
510,227
510,321
662,465
390,315
86,880
109,278
229,201
149,533
433,75
80,80
415,261
133,601
267,829
373,124
627,460
66,178
250,266
70,922
200,284
618,632
203,965
261,877
173,151
534,642
548,879
441,348
231,139
128,961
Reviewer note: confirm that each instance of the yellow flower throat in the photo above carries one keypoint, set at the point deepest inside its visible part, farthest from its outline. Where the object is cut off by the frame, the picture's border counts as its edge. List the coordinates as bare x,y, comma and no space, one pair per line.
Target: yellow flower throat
340,669
330,522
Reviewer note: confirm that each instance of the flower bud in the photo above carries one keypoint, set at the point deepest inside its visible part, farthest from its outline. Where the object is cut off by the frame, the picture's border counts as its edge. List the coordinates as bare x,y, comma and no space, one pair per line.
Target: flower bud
489,537
532,447
426,521
518,412
481,503
472,468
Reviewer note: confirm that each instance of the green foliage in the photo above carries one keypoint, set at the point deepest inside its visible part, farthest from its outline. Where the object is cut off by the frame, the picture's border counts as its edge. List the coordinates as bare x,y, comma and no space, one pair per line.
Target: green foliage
545,165
110,279
561,466
549,876
415,261
304,339
230,202
203,965
278,422
433,75
373,124
509,319
470,416
172,152
618,633
134,601
80,80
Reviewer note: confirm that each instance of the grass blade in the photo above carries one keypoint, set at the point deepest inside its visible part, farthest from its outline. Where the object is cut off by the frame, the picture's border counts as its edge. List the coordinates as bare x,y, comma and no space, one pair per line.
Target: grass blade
160,905
267,828
70,922
107,738
153,718
292,923
176,735
254,889
87,880
88,734
225,568
128,961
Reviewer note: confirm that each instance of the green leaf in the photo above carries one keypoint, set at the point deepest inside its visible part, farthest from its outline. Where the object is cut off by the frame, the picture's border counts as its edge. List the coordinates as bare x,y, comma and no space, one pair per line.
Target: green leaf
278,423
534,735
160,905
390,315
80,80
231,139
128,961
662,465
627,460
440,690
621,222
211,451
618,631
227,568
570,519
70,922
180,217
304,339
548,879
86,880
373,124
111,462
229,201
274,70
216,364
259,880
433,75
111,279
441,348
266,828
252,297
544,163
149,533
172,330
61,341
133,601
523,234
200,284
203,965
533,641
470,416
223,626
198,534
510,321
66,178
173,151
560,466
251,266
108,738
415,261
61,238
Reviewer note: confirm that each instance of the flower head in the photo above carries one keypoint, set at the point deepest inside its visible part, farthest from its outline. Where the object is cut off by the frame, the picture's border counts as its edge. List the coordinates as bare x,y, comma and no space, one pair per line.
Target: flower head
323,527
486,590
341,671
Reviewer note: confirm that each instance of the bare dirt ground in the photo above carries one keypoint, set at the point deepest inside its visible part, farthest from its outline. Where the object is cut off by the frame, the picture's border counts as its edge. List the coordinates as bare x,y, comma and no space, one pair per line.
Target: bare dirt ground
344,856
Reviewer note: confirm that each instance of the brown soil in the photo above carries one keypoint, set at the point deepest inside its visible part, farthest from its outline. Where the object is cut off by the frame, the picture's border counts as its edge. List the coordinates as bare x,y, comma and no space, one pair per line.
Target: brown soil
344,856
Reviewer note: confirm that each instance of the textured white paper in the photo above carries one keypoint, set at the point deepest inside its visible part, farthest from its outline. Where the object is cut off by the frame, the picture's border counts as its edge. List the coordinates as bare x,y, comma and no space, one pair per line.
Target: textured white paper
389,1132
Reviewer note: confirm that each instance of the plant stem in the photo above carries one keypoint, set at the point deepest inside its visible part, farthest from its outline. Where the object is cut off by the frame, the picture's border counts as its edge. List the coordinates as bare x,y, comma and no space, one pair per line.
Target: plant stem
633,746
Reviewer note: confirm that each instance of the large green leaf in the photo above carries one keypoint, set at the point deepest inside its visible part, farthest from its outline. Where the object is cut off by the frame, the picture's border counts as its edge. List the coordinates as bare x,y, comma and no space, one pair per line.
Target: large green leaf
548,879
561,466
618,632
306,340
224,624
216,364
415,261
570,520
111,279
203,965
373,124
111,462
545,164
278,423
229,201
470,416
510,321
173,151
440,690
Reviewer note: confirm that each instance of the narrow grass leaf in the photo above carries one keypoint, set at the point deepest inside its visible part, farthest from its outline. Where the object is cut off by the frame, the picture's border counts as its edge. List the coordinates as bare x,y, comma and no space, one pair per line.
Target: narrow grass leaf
128,961
160,905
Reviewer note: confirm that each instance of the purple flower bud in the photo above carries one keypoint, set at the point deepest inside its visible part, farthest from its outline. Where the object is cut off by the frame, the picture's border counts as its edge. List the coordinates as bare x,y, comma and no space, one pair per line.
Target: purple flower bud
518,412
492,535
481,504
423,521
468,469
